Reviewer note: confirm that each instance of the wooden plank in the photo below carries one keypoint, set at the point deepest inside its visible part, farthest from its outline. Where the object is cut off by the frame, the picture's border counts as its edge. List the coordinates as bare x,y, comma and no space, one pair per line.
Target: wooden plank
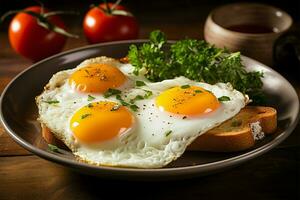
29,177
271,176
8,147
3,82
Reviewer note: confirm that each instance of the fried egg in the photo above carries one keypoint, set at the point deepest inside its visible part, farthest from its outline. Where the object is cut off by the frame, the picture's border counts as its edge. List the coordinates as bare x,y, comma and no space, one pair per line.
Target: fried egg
100,112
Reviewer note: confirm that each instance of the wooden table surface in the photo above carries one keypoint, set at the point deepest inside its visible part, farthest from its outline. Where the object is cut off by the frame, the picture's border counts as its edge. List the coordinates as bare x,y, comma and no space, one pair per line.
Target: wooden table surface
274,175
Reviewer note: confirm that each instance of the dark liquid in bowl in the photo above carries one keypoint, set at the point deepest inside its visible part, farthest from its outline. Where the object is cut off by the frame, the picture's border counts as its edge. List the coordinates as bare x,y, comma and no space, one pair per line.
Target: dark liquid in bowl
250,28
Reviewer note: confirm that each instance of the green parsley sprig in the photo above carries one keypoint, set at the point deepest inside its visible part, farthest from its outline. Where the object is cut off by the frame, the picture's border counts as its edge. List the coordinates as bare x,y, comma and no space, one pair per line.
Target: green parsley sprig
196,60
51,101
53,148
111,92
224,98
90,98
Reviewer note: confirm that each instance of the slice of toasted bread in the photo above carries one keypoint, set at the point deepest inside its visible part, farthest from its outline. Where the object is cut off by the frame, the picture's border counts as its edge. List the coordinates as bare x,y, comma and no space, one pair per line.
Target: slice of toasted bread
238,133
233,135
50,138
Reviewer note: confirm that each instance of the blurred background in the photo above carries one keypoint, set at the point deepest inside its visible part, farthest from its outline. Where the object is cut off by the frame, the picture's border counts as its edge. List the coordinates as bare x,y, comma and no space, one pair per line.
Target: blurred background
152,14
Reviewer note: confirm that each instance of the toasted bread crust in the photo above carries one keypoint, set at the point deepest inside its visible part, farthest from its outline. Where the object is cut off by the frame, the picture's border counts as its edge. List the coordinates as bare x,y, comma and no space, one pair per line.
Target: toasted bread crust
224,138
230,137
50,138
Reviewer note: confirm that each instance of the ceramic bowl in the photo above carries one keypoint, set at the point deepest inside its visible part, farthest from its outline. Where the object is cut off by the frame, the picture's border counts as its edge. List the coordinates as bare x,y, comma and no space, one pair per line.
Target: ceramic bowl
249,28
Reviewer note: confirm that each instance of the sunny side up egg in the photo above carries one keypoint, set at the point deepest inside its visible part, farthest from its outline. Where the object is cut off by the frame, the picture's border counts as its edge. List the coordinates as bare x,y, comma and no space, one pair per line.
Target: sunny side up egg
108,116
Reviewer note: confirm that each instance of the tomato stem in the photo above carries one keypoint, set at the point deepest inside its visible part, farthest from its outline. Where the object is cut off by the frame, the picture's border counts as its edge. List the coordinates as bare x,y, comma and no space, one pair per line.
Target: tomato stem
11,12
5,15
42,20
121,12
49,14
42,6
107,7
56,29
112,10
116,4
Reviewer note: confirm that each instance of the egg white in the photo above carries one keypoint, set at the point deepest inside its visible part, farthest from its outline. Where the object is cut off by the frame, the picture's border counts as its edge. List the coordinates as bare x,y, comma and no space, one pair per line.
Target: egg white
149,144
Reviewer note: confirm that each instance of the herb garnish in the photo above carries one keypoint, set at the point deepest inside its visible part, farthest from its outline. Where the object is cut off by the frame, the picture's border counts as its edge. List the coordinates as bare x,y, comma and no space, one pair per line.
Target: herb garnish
168,133
185,86
124,103
148,94
90,105
224,98
111,92
236,123
136,98
52,101
140,83
134,107
85,115
90,98
53,148
87,71
197,91
196,60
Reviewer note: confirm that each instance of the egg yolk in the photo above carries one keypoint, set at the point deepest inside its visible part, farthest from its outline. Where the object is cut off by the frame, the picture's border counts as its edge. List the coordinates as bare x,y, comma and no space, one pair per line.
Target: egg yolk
100,121
96,78
187,100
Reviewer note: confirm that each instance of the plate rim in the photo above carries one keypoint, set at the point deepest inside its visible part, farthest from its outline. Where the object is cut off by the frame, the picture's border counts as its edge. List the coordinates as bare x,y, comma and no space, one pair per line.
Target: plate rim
185,170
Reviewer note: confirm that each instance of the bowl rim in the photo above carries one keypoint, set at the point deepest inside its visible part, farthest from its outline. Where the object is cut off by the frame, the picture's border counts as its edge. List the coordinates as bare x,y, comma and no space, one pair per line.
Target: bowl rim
163,172
211,21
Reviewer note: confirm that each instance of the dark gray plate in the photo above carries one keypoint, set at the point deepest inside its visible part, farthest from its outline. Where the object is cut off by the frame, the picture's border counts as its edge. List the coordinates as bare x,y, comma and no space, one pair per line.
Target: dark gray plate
19,113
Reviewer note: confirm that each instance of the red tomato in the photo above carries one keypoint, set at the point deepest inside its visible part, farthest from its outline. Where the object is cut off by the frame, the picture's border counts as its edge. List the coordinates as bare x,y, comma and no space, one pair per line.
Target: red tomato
33,41
100,26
